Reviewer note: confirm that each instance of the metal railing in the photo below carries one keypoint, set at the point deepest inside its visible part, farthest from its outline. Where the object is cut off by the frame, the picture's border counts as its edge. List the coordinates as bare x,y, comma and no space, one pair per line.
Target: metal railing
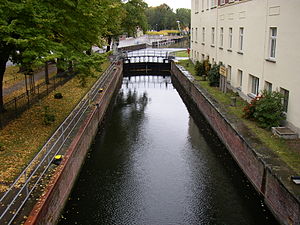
146,56
19,192
24,101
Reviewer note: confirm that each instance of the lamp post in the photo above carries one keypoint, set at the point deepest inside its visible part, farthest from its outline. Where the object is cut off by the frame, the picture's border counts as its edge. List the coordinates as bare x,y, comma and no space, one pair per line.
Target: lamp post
178,23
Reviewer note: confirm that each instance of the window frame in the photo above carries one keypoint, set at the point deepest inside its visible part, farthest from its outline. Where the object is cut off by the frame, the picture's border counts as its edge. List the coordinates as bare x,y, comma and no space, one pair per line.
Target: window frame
221,37
241,39
272,43
213,34
285,99
230,38
254,82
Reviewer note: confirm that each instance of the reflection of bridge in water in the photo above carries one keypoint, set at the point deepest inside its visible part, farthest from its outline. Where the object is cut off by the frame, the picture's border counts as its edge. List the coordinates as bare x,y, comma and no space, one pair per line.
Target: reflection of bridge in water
147,62
147,81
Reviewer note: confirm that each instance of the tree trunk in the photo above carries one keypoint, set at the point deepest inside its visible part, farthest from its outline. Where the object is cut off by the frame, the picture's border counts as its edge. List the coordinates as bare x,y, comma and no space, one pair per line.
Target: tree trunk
2,70
109,42
4,54
46,73
59,65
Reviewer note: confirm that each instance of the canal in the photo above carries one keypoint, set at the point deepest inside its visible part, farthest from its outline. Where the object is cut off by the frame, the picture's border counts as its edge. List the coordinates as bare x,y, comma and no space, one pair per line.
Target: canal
151,164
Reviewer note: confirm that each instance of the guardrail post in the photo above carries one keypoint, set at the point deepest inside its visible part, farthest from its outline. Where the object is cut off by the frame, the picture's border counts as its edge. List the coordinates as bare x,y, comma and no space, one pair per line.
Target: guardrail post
28,100
15,100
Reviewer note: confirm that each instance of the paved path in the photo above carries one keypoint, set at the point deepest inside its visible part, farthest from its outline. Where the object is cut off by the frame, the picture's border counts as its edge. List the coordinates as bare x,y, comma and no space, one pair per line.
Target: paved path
21,84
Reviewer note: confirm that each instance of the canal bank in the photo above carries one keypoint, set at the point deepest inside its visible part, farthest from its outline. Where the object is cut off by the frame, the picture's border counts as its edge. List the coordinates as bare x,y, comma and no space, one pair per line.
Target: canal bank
153,165
48,208
267,173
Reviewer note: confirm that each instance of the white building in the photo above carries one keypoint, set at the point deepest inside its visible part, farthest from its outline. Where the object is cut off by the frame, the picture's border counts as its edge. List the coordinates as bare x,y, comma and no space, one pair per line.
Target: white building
257,40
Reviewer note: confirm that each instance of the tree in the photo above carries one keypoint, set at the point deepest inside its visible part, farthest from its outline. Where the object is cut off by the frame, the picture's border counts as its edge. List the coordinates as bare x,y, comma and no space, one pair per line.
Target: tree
184,16
135,17
161,17
36,31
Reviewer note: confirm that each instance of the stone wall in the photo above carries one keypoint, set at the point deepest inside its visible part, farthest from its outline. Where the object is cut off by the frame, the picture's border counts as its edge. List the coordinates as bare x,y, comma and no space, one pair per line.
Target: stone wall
269,176
50,205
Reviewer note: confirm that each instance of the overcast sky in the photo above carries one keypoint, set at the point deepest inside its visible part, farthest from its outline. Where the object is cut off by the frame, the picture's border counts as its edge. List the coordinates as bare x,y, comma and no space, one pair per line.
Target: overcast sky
174,4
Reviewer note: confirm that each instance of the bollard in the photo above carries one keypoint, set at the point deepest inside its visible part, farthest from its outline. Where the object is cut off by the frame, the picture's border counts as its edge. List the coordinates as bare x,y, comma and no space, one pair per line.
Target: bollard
233,101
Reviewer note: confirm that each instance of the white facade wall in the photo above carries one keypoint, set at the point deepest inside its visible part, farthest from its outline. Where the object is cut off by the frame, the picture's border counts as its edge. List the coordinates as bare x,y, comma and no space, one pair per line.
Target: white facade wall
256,17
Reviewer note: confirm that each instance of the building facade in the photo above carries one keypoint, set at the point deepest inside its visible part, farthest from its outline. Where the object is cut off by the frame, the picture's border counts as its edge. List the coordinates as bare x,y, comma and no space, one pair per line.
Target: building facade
257,42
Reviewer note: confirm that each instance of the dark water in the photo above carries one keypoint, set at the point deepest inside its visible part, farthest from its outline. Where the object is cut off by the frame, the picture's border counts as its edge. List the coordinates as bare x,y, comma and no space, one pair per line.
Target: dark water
152,165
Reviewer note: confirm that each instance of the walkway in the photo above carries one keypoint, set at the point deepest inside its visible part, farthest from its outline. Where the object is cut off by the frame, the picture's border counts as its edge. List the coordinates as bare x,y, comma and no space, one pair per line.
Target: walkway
21,84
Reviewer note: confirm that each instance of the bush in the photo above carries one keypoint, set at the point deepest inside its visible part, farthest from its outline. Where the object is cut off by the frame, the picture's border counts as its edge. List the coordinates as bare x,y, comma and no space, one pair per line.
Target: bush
49,117
214,76
269,110
58,96
207,66
250,108
199,69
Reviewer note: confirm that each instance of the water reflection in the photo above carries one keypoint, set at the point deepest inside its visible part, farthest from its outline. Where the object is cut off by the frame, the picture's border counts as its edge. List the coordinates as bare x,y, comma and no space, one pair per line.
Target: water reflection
151,165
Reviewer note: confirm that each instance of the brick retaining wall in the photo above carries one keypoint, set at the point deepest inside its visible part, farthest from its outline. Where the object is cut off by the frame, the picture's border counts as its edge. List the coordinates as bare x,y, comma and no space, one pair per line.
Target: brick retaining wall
257,162
50,205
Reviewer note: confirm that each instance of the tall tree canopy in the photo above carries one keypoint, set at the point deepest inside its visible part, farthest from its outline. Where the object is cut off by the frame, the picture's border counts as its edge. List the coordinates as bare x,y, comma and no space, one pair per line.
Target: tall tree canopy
163,18
33,32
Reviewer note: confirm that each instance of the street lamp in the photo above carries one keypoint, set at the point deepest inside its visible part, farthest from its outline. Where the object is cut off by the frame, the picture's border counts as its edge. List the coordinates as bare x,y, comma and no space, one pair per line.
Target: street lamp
178,22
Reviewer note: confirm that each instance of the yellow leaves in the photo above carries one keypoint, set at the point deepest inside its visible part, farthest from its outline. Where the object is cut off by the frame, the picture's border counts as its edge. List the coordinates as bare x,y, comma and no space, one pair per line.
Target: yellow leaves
24,137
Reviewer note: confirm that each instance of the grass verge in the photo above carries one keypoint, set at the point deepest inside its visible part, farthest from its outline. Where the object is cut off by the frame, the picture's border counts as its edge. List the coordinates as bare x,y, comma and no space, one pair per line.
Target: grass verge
181,54
23,138
283,148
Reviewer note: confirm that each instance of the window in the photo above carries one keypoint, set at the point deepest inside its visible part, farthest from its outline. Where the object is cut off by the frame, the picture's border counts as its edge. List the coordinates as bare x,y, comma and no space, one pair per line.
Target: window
213,36
192,34
196,35
230,38
202,57
254,82
222,2
273,37
207,4
231,0
241,39
285,100
202,5
213,3
197,55
240,79
268,86
203,34
196,6
221,36
229,73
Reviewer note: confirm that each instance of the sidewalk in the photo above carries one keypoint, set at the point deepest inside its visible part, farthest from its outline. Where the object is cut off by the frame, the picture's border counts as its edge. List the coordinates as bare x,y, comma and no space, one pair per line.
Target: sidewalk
21,84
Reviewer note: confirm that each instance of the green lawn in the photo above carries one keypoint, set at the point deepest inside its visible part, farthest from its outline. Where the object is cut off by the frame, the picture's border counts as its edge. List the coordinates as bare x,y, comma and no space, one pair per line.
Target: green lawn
281,147
181,54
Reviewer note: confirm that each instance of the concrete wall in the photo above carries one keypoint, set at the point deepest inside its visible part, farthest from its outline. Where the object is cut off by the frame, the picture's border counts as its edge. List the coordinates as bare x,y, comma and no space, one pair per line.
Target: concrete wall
50,205
258,163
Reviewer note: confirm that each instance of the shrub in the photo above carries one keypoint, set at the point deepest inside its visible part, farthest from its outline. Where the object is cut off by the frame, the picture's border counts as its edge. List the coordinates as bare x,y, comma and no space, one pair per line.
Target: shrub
199,69
58,96
250,108
214,76
49,117
269,110
207,66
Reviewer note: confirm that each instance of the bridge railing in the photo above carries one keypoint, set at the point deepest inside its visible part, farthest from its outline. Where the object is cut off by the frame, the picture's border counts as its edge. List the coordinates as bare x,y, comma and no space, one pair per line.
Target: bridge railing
20,191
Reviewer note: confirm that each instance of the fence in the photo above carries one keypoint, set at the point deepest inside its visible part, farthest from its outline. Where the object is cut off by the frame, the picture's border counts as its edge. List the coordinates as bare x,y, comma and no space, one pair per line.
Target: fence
16,196
19,104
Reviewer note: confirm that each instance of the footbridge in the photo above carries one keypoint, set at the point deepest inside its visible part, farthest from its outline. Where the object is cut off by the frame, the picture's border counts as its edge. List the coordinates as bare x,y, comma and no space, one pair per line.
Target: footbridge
146,62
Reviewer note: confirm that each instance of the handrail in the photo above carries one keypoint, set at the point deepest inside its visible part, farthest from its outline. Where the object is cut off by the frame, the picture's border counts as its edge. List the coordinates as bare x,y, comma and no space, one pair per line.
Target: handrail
16,196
